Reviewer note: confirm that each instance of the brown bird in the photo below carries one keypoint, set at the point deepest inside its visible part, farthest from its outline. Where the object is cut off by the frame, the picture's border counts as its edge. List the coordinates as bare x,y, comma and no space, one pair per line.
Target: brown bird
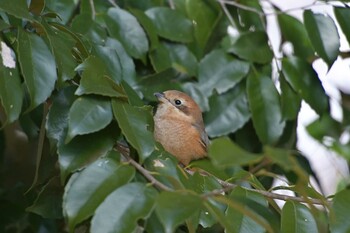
179,127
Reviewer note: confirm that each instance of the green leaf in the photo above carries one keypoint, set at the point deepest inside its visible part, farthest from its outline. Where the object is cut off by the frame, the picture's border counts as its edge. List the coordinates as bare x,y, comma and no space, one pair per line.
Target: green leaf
340,211
249,20
95,81
265,107
38,67
122,209
253,46
343,14
290,100
297,218
174,208
64,8
323,34
324,126
225,153
83,150
294,31
17,8
88,115
221,72
87,189
193,90
86,26
205,17
301,76
228,112
11,93
135,123
37,6
171,24
125,27
61,45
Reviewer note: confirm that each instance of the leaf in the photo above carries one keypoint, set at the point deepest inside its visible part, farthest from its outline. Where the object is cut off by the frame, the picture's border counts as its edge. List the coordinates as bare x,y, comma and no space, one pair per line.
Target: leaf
301,76
253,46
192,89
86,26
83,150
95,81
171,24
122,209
11,93
174,208
228,112
294,31
323,34
265,108
88,115
64,8
135,123
225,153
37,6
221,72
340,212
297,218
87,189
343,14
38,67
124,27
17,8
324,126
290,100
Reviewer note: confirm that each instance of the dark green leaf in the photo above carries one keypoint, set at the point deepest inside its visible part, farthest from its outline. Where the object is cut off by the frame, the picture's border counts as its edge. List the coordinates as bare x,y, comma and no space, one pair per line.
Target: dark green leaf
228,112
297,218
253,46
265,107
88,115
301,76
17,8
95,81
11,94
323,34
325,126
290,101
294,31
37,6
85,25
225,153
340,211
174,208
64,8
122,209
343,15
249,20
87,189
124,27
220,71
38,67
171,24
196,94
135,123
83,150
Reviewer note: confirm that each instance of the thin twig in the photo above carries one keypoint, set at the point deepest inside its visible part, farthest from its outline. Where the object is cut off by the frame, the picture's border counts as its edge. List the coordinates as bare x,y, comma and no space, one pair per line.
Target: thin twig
171,4
227,13
113,3
93,10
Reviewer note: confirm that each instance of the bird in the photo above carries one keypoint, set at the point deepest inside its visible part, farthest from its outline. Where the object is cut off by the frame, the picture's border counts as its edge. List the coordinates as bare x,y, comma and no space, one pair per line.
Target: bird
179,127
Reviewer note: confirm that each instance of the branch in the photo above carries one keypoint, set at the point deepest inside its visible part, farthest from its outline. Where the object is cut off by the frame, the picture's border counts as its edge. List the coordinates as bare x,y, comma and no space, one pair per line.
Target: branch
93,10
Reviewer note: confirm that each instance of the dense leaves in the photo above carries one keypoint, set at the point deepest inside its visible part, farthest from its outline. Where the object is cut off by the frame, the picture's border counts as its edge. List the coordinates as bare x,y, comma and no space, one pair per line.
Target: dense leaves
77,84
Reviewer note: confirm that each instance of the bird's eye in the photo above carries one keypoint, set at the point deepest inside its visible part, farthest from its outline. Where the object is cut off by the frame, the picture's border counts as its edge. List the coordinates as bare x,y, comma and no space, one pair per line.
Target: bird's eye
178,102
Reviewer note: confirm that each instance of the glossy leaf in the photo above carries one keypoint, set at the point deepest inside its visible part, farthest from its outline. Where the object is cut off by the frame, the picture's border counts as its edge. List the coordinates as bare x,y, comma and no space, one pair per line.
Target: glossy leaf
324,126
290,101
221,72
323,34
64,8
88,115
38,67
265,108
124,26
85,25
343,14
193,90
122,209
87,189
225,153
297,218
301,76
340,212
83,150
16,8
253,46
171,24
228,112
95,81
135,123
294,31
174,208
11,93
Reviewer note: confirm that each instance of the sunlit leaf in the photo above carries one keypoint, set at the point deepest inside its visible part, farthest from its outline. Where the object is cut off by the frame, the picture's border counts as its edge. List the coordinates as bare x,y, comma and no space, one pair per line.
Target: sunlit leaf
17,8
343,14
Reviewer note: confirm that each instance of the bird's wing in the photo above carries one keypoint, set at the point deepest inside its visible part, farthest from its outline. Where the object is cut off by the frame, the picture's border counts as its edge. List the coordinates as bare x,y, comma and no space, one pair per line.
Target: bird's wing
203,135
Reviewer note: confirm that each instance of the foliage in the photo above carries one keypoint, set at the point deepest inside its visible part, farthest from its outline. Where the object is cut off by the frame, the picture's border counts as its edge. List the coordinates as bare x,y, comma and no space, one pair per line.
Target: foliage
76,87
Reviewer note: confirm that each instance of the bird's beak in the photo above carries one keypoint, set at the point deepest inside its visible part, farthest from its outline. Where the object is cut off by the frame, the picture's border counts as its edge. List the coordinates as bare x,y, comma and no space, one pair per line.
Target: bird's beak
160,96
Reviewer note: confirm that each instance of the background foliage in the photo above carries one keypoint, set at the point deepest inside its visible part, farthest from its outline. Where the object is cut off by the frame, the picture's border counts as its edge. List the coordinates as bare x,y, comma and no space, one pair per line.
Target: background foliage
77,79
